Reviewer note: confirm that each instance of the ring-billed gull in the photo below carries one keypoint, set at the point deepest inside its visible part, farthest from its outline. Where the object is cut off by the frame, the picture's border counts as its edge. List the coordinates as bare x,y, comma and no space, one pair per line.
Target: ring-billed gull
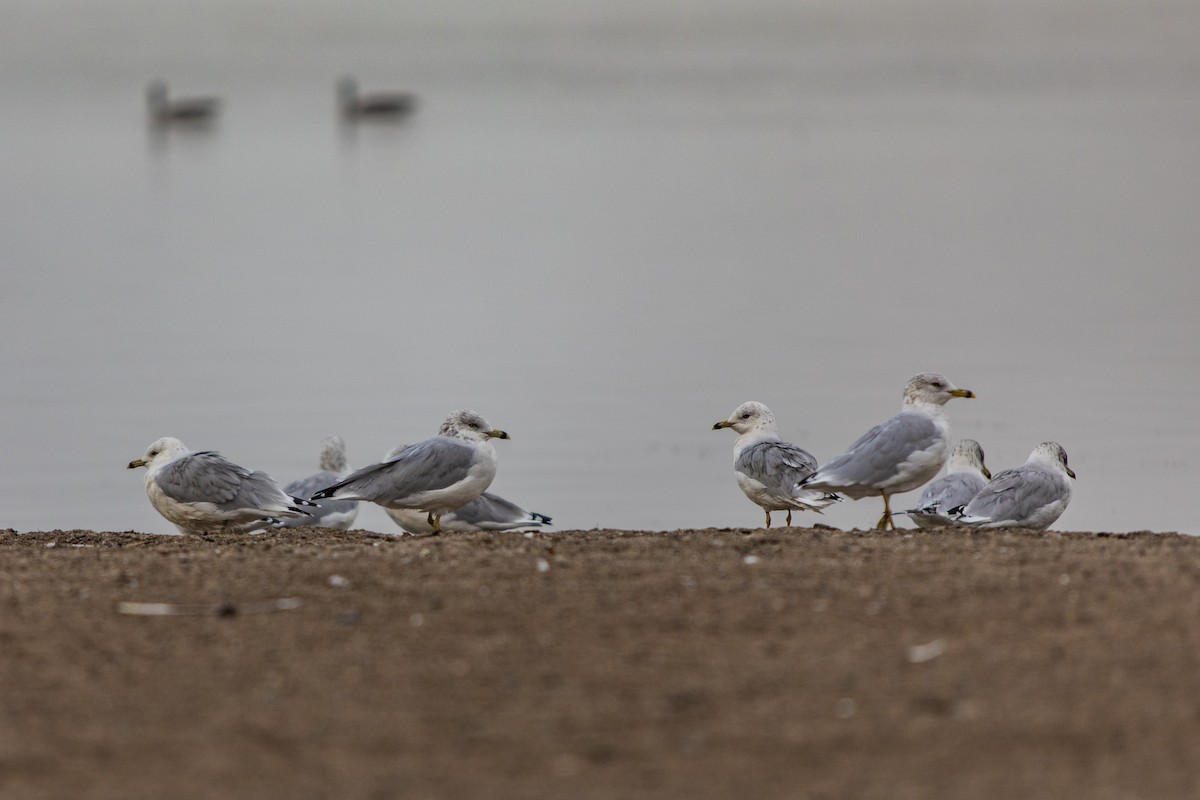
768,469
900,454
436,476
965,476
205,492
1032,495
332,513
488,512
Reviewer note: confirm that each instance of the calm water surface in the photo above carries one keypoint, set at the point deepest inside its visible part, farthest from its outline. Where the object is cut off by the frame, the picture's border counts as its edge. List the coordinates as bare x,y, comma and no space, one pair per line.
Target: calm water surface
604,229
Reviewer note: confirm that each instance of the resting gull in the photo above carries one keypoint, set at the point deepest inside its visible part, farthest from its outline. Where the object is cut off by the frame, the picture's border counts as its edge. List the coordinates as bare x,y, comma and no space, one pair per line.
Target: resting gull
768,469
488,512
1032,495
332,513
965,475
205,492
900,454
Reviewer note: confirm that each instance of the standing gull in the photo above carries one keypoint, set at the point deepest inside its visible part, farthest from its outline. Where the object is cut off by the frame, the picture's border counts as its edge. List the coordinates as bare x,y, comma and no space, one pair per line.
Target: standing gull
1032,495
900,454
488,512
436,476
769,470
965,476
205,492
332,513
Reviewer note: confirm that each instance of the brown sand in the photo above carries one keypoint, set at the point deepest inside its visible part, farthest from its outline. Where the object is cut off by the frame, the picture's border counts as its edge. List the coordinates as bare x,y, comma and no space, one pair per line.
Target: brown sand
603,664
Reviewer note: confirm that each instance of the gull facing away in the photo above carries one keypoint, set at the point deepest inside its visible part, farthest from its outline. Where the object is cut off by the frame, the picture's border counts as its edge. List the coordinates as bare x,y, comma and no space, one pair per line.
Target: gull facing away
204,492
965,476
436,476
899,455
332,513
769,470
164,110
1032,495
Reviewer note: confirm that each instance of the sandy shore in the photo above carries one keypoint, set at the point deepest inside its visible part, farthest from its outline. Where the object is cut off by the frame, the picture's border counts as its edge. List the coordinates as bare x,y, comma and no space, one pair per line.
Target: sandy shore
601,664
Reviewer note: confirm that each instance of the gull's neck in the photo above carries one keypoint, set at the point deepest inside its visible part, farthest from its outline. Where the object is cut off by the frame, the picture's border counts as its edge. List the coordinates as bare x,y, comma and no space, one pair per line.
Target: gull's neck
925,407
964,465
753,437
154,468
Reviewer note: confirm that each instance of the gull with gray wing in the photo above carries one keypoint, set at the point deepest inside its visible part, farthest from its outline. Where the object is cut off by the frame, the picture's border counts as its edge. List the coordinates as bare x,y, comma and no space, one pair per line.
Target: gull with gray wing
1032,495
488,512
900,454
204,492
769,470
435,476
332,513
965,476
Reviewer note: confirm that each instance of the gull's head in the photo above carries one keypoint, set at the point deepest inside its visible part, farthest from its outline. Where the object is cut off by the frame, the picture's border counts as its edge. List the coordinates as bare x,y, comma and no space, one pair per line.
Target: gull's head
748,417
932,388
967,454
464,424
164,450
1053,455
333,454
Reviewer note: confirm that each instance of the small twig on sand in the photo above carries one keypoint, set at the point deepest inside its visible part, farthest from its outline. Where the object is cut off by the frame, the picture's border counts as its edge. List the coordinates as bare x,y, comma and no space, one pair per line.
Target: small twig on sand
207,609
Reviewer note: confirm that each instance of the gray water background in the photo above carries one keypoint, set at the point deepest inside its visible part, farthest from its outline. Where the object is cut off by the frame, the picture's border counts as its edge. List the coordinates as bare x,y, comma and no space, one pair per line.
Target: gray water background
608,224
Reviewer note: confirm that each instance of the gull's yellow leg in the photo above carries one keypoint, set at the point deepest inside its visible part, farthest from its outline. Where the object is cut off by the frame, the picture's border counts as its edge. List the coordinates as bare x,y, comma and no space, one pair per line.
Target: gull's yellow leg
885,522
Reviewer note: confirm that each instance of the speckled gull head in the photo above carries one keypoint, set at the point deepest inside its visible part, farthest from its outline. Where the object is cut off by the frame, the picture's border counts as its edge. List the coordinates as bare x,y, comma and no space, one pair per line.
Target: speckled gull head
1052,455
749,417
161,452
464,424
930,388
333,454
967,455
